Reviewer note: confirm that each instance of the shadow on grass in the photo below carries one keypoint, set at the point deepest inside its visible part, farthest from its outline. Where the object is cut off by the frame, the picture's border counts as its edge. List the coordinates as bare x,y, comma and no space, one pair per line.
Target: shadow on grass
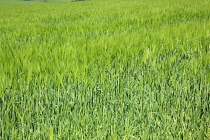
77,0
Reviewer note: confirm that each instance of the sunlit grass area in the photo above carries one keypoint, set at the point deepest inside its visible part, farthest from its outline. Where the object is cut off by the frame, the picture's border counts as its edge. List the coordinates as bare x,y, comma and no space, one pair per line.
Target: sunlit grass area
5,3
105,69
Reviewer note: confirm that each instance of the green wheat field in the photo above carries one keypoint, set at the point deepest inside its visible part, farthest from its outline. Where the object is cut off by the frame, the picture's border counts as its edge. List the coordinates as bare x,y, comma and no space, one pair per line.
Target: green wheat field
105,70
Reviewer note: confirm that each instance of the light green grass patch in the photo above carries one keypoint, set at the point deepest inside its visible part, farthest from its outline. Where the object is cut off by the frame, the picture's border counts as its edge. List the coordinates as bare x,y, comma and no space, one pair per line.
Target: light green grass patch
4,3
105,70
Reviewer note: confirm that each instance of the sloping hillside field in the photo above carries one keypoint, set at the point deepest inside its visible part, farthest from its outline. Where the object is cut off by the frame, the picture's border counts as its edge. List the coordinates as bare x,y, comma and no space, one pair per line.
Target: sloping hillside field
105,69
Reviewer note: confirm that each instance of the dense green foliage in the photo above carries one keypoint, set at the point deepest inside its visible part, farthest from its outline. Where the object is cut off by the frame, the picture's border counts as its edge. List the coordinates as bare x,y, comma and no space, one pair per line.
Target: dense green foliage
4,3
105,69
37,0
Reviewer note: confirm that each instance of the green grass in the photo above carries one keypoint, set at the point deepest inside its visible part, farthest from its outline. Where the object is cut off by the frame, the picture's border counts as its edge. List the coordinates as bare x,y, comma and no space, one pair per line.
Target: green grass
105,69
6,3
